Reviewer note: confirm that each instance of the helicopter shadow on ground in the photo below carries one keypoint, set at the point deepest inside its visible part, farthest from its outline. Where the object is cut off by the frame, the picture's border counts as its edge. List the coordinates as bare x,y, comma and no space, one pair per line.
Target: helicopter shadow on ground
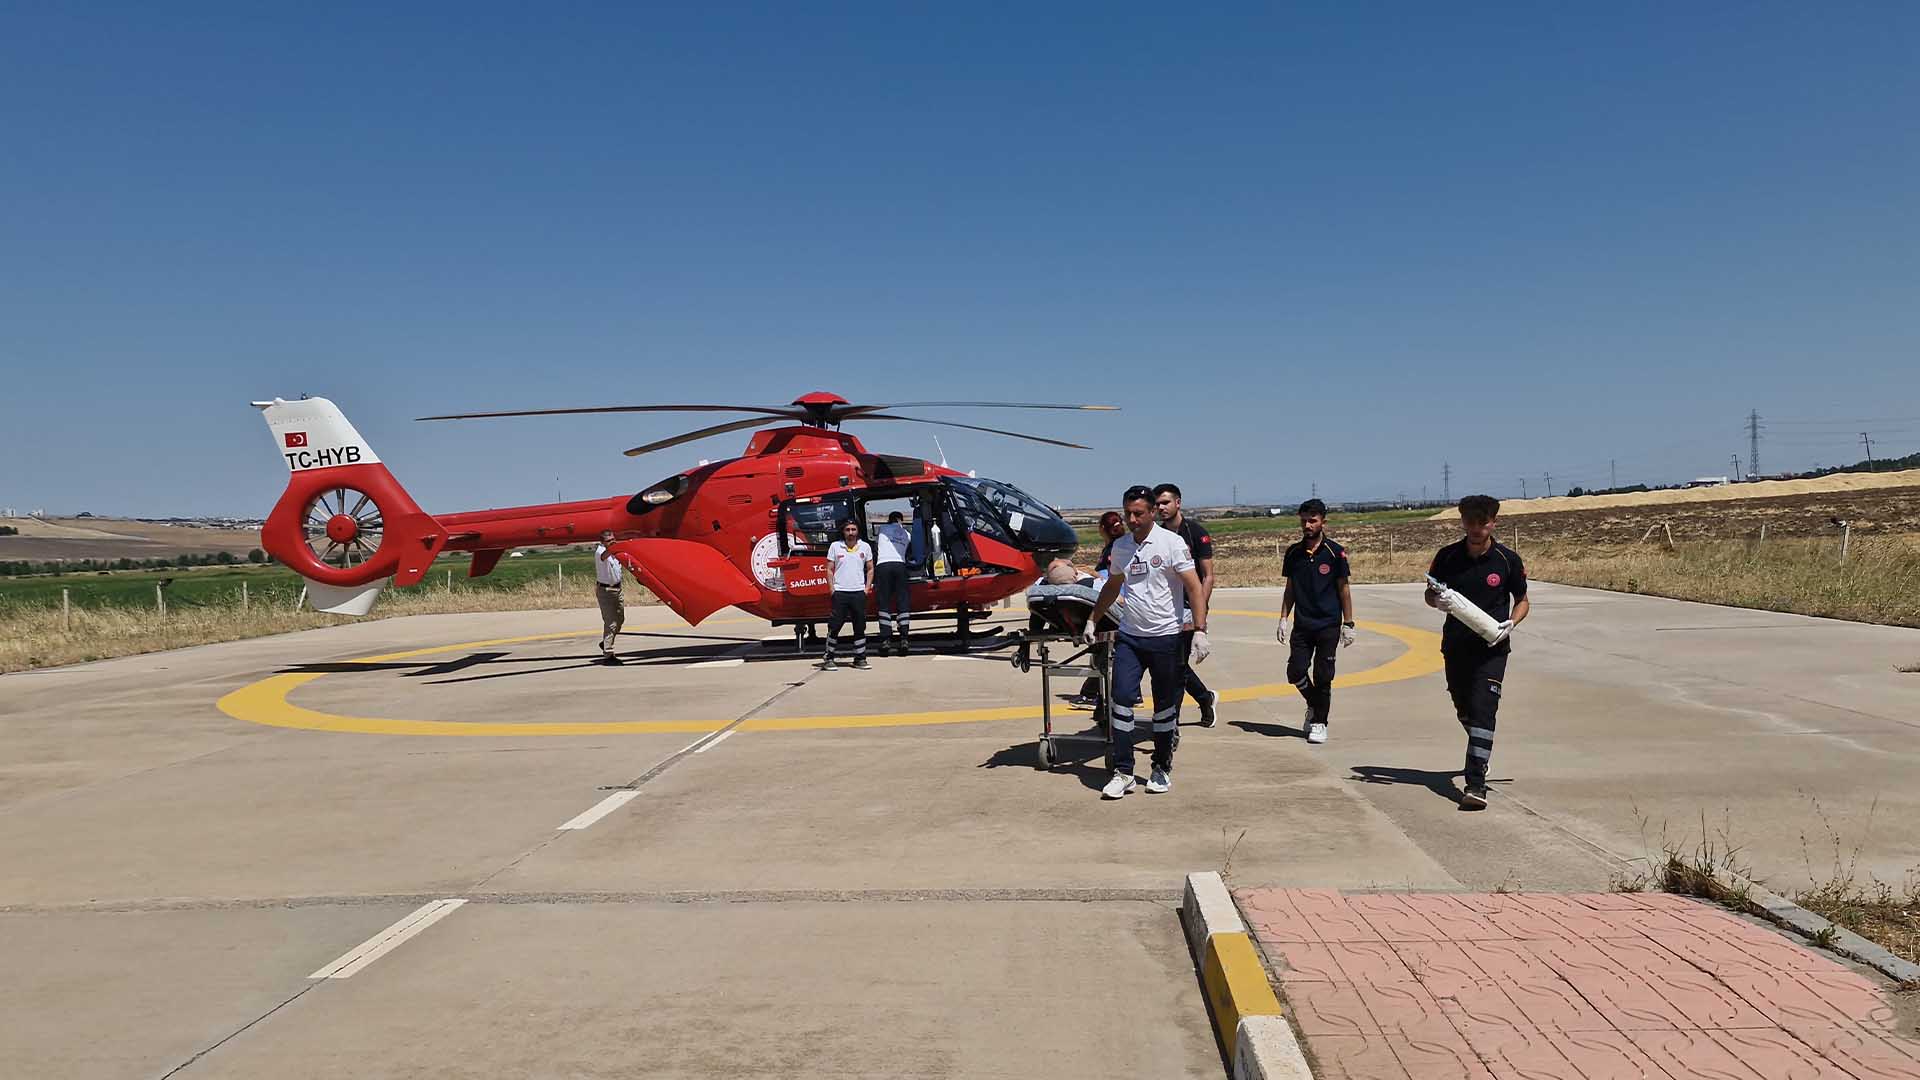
685,650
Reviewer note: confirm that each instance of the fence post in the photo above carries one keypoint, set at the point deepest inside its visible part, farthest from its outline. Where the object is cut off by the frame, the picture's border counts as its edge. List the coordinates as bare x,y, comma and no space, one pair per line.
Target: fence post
243,597
160,598
449,581
1763,532
1846,536
1389,545
1669,530
560,572
66,612
301,599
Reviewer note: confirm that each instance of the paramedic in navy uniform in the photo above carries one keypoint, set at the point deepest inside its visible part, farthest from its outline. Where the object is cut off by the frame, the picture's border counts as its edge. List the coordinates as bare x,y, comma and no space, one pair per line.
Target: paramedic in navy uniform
1154,569
1490,574
1321,603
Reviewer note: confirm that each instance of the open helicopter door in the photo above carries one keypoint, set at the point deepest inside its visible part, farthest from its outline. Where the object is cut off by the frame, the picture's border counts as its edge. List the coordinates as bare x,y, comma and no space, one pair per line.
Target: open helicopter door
814,522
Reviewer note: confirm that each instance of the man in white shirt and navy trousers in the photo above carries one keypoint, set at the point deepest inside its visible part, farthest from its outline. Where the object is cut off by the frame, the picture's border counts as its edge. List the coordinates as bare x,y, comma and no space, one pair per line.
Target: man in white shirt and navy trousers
890,586
606,589
851,562
1153,569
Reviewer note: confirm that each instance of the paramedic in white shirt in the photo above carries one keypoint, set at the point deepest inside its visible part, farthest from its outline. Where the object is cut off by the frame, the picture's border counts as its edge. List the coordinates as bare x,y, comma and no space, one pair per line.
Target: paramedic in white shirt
1153,568
851,562
890,583
606,589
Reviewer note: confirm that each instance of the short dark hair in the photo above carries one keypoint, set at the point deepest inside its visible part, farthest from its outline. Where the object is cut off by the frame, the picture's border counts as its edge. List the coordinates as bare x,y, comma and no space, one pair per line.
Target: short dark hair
1137,491
1313,508
1166,489
895,516
844,522
1479,508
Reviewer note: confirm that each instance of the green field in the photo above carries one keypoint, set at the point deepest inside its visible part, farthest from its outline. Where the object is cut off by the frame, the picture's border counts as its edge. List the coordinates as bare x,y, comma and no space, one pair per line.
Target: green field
202,585
1286,523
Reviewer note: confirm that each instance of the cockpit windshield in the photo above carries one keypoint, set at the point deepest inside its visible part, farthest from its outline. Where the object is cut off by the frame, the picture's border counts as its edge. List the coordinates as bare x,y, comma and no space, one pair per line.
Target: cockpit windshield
998,509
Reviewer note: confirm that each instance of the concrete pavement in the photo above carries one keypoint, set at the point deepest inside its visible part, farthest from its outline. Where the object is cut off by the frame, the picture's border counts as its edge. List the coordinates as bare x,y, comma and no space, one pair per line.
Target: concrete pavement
865,877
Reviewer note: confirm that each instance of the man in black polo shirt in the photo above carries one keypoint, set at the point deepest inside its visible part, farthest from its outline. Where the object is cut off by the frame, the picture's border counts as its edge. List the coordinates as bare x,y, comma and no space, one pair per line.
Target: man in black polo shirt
1488,573
1166,507
1321,601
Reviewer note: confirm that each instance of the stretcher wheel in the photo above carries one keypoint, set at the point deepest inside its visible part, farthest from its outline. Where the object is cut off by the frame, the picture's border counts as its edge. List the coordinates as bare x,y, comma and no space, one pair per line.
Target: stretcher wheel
1043,750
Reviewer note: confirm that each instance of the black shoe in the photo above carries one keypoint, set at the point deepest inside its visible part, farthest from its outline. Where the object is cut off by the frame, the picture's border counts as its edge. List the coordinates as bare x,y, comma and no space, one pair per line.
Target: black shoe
860,663
1207,717
1475,798
900,649
828,665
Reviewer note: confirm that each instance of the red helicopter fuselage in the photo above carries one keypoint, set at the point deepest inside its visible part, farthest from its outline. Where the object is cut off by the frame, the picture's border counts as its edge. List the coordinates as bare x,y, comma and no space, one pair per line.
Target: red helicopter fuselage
747,532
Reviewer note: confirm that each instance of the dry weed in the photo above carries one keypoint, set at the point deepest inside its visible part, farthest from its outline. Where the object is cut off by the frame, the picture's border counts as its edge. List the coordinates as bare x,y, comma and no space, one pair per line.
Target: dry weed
31,635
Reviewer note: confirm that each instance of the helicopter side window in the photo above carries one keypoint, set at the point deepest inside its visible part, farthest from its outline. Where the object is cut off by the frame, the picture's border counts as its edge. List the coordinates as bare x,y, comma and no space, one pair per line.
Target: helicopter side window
816,524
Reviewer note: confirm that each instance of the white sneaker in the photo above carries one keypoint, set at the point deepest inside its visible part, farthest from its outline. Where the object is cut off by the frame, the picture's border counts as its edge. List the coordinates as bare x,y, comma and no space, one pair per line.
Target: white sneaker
1118,786
1316,733
1159,783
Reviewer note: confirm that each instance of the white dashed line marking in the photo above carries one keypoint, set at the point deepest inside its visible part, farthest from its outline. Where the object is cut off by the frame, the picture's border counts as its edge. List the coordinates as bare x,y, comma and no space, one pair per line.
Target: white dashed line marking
735,662
386,940
715,741
601,809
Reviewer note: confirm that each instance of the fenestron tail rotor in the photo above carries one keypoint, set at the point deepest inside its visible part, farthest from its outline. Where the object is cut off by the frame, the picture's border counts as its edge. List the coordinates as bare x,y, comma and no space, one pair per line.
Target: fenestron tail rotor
819,409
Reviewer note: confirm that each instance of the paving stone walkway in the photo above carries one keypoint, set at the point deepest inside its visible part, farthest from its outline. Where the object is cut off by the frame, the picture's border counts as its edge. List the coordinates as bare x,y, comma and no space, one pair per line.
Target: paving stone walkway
1588,987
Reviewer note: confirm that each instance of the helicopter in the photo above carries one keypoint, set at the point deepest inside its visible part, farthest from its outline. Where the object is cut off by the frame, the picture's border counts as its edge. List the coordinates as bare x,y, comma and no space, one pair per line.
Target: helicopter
749,532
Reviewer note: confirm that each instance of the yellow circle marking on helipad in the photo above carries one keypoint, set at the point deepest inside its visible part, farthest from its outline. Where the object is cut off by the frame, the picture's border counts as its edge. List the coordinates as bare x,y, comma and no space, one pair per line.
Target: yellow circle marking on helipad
265,701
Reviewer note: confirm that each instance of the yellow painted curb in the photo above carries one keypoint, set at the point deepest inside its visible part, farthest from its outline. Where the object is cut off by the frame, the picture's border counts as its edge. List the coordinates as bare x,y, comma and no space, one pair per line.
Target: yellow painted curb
1237,986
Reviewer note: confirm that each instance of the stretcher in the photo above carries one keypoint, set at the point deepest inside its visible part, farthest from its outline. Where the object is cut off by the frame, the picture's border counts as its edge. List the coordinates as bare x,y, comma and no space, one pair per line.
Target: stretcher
1057,616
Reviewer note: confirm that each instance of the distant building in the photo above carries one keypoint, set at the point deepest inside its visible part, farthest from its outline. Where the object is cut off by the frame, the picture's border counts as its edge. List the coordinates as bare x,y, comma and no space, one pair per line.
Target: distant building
1708,481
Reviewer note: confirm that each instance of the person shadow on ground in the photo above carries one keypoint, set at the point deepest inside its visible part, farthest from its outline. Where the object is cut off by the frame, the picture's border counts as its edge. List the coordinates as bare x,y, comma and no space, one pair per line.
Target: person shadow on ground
1440,783
1271,731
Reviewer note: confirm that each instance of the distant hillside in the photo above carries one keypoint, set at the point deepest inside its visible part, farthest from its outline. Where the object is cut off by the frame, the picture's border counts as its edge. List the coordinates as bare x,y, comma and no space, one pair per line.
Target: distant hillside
47,539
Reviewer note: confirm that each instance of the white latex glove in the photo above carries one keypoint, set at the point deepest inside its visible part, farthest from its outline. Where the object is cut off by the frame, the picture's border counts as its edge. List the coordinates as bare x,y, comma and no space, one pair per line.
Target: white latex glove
1088,632
1202,648
1444,601
1506,631
1346,636
1280,632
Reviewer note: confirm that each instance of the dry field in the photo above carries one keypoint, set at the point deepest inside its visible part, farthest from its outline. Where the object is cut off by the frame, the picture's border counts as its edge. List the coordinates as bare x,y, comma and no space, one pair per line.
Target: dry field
112,538
32,635
1717,555
1834,484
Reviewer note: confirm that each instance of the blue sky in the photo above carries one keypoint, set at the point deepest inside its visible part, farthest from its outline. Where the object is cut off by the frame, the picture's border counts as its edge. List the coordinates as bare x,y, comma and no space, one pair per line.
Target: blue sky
1335,245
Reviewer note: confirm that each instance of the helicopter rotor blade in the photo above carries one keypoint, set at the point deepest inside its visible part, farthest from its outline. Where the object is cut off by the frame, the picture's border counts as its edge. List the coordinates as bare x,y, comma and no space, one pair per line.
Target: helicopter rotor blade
784,414
717,429
970,427
989,405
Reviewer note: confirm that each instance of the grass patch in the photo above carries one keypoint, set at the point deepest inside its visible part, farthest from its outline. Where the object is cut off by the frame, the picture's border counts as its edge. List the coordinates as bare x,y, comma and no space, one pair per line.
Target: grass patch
33,635
1875,910
1878,583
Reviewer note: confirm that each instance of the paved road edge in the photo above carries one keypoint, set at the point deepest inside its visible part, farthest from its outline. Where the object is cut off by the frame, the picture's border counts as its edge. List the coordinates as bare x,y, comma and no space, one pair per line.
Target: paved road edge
1745,894
1260,1042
